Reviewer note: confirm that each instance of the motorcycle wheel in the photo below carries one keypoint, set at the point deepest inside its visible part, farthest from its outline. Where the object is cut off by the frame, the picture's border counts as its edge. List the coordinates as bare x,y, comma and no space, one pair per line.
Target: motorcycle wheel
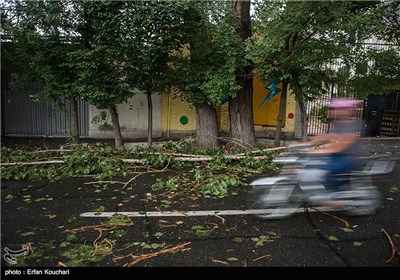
368,205
274,202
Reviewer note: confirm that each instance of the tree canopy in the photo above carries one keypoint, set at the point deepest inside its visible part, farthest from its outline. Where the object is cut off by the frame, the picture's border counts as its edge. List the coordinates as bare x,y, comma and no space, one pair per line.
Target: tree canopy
103,51
305,43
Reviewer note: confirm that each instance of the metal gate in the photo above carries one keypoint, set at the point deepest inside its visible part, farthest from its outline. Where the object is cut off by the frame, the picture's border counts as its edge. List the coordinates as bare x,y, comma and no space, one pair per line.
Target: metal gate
23,114
318,121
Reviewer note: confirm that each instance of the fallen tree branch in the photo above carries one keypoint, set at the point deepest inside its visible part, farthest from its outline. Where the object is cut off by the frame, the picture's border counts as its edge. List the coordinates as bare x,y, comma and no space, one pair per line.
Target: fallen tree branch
188,159
209,158
265,150
55,151
33,163
137,175
236,142
181,157
128,160
177,154
104,182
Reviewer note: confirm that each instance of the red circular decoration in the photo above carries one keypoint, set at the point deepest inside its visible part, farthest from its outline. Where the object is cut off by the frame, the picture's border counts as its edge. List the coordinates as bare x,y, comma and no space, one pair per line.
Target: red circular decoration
290,116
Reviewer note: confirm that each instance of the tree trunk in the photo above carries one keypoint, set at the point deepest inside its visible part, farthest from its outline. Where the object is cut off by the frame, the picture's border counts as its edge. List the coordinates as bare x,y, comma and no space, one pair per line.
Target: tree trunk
149,120
206,126
303,119
74,125
241,107
117,128
281,114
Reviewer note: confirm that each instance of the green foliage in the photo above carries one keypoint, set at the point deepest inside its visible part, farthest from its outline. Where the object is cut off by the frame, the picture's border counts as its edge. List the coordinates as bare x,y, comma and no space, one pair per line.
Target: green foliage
117,220
212,179
83,254
217,185
207,183
262,165
382,75
158,28
321,113
171,184
298,41
102,116
39,45
333,238
261,240
199,231
347,229
103,161
216,52
238,239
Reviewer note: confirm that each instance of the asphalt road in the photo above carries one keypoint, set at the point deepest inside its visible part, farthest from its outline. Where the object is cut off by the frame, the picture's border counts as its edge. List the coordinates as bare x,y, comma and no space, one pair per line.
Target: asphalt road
45,216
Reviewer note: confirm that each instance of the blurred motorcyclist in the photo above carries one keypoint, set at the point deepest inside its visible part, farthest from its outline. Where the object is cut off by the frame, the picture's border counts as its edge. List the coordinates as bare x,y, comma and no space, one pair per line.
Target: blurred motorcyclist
340,145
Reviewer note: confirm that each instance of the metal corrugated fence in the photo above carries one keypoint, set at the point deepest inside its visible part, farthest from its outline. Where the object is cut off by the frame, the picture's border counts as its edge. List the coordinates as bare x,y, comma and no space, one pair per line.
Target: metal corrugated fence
23,114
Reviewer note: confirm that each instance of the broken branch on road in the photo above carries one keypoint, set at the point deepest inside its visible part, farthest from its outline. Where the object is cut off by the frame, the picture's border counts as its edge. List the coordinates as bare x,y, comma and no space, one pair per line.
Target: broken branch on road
395,255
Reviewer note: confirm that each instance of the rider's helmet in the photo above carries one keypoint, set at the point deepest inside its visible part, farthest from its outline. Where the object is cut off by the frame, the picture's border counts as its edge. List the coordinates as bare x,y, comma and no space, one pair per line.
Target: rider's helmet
342,103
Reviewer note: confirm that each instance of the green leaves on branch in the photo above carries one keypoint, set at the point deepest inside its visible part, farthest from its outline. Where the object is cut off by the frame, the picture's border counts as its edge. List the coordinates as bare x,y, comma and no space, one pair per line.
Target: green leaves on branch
205,183
106,162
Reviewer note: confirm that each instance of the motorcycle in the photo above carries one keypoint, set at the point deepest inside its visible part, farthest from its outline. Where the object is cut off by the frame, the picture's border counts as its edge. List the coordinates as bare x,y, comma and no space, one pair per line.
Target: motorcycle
300,183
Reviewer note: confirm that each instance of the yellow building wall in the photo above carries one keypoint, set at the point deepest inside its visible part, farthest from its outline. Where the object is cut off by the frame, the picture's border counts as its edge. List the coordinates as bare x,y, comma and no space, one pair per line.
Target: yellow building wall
180,116
265,114
176,115
223,117
290,115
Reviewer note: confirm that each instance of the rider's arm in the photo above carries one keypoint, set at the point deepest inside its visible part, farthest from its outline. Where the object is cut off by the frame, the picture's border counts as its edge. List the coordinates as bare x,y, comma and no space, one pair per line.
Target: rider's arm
337,143
319,140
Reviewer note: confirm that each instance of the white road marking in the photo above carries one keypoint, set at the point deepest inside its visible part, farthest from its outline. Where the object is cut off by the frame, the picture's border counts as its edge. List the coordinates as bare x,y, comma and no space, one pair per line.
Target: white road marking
187,213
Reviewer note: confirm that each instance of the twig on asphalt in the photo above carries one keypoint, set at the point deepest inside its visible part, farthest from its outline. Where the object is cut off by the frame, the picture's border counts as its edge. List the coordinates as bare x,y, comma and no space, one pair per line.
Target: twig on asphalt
221,262
262,257
30,248
102,227
222,219
137,175
274,234
137,259
95,241
166,224
214,227
84,228
346,223
61,264
395,251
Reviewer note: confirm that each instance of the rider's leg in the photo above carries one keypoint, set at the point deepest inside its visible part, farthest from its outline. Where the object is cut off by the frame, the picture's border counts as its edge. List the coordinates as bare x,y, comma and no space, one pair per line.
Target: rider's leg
339,164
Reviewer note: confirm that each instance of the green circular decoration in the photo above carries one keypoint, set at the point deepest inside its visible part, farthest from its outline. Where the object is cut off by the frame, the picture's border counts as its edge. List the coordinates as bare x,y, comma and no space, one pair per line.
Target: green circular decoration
184,120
